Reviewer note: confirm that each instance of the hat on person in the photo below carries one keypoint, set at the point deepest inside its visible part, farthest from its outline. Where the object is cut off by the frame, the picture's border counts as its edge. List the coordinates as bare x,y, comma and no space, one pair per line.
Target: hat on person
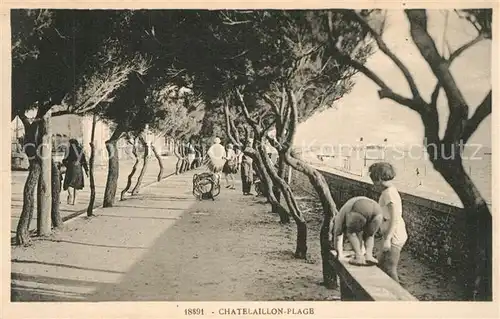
217,140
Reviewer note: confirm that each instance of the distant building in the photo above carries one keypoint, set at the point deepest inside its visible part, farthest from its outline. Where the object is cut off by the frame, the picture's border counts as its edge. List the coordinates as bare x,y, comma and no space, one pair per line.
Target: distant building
78,127
73,126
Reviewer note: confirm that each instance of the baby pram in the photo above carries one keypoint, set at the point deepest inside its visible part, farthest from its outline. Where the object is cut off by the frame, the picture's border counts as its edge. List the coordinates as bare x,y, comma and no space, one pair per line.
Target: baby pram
206,186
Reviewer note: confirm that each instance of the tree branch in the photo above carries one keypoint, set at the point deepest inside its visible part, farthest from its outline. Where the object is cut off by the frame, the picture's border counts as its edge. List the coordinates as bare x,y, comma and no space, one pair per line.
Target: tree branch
236,134
383,47
435,94
453,56
385,91
457,105
292,123
273,105
268,127
482,111
274,143
60,113
469,44
283,108
228,125
245,109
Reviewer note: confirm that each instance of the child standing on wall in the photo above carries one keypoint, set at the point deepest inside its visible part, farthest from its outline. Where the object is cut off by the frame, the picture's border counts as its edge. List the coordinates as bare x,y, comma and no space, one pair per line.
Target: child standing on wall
393,227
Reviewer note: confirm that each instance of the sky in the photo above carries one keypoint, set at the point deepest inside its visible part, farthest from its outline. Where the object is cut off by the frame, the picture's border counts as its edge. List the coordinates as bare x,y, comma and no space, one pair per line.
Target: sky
362,114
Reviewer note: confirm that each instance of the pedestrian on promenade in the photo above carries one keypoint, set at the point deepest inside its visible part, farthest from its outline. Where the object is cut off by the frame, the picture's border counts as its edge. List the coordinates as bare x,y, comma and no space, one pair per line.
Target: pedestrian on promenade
239,157
75,162
216,158
247,169
418,177
230,166
191,154
393,227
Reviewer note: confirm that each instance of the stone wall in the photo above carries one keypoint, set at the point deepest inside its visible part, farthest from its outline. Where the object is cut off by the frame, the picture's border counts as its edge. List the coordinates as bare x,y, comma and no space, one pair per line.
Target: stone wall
436,231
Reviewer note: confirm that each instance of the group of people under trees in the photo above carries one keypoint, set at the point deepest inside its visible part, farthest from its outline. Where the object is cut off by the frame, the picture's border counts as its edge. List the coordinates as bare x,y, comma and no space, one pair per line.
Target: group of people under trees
230,160
359,219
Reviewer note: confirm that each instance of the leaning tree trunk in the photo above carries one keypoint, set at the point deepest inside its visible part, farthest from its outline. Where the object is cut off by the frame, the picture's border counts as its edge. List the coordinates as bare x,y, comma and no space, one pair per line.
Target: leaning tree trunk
281,174
160,162
479,223
113,169
45,180
144,166
278,182
268,184
22,234
132,173
57,221
329,212
90,208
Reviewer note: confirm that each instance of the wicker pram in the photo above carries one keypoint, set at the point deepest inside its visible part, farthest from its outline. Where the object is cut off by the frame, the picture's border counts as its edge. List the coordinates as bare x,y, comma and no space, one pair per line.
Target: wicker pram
206,186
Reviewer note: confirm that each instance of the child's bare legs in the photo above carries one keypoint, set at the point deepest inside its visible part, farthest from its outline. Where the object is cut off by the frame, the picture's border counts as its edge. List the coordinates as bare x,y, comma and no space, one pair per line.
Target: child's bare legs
74,196
70,196
369,237
355,223
359,258
231,178
389,261
370,242
361,240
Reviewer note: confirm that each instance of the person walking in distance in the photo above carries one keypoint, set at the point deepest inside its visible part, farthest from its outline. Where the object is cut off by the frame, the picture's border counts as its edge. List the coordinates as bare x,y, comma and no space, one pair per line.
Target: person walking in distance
417,172
230,166
75,163
239,156
191,154
247,169
216,158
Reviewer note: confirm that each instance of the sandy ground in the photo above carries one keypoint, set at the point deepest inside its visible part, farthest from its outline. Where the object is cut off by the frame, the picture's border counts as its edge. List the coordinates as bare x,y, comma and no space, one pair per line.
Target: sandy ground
18,179
164,245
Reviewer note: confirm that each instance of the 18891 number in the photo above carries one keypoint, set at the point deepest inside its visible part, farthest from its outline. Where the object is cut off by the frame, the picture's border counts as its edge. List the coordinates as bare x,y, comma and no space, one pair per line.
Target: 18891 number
193,311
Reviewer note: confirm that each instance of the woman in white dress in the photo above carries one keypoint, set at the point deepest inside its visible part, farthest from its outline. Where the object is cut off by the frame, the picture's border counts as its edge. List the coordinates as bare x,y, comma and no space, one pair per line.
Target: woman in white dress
216,158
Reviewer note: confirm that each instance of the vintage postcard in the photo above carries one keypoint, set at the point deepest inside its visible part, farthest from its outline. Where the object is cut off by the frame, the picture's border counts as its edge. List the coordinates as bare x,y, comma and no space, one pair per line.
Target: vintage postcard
227,159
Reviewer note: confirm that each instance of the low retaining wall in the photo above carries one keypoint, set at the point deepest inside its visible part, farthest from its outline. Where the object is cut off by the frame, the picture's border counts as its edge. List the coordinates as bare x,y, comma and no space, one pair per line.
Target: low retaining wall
436,231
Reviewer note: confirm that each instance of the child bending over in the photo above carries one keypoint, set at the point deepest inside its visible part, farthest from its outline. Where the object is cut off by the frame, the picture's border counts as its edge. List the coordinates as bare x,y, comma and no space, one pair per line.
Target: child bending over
359,218
393,227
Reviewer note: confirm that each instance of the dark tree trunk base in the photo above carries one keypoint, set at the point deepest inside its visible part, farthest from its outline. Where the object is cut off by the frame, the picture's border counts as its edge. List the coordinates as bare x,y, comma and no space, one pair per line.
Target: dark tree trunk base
22,234
131,175
144,167
160,162
113,172
57,221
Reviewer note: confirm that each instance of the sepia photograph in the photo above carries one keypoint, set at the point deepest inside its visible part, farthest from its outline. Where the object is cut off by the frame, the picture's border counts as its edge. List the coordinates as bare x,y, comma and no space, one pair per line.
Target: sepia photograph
299,155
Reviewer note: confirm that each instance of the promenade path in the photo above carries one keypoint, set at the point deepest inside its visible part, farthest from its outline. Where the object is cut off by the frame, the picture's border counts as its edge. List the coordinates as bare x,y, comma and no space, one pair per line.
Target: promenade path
164,245
19,178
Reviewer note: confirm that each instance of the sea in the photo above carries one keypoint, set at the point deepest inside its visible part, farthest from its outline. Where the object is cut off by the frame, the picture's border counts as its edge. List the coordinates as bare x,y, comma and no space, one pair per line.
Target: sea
414,172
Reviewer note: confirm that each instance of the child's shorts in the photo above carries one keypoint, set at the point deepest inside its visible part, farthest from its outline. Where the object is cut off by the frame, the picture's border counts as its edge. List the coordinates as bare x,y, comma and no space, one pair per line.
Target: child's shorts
399,239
